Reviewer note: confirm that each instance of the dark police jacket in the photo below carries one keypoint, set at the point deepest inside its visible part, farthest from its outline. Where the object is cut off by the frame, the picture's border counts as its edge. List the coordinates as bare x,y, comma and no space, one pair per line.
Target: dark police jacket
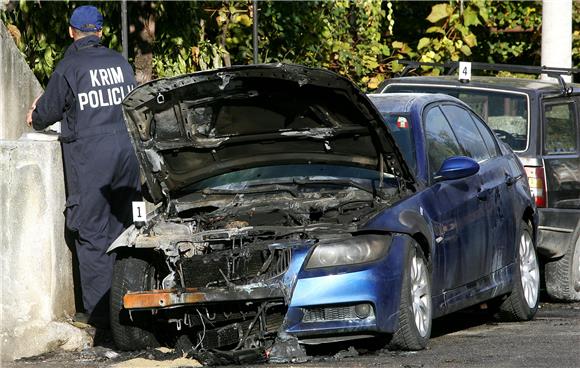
85,92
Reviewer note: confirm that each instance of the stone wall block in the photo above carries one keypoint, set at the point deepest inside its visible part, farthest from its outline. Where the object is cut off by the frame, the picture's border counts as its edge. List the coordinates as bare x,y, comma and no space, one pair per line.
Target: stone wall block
18,88
37,285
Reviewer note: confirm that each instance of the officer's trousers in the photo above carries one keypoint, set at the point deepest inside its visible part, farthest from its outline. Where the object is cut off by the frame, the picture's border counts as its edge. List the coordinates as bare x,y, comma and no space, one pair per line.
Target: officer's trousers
102,175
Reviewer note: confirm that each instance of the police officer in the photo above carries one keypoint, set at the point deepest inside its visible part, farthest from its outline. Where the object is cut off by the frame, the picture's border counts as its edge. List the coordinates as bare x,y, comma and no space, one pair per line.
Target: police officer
101,169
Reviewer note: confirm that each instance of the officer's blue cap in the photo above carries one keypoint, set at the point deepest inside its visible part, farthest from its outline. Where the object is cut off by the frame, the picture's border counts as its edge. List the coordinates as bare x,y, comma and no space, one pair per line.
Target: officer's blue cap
86,18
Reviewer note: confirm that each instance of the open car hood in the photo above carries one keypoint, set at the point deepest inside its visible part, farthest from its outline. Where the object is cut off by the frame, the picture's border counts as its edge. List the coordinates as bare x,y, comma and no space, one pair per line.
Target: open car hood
195,126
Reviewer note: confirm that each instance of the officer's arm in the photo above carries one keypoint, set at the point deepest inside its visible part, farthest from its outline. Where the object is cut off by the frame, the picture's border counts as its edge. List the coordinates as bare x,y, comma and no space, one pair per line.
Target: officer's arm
52,104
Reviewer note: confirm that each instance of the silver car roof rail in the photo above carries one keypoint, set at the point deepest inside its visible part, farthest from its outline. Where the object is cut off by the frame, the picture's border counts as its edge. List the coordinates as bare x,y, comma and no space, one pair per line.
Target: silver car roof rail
450,67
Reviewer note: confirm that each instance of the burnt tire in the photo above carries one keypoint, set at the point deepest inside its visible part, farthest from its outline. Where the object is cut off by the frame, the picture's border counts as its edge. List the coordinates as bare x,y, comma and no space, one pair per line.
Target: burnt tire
563,275
522,303
415,309
131,274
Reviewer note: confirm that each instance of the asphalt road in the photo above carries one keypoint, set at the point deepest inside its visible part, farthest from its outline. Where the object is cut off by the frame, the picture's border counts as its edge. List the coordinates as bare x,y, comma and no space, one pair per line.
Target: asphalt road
464,339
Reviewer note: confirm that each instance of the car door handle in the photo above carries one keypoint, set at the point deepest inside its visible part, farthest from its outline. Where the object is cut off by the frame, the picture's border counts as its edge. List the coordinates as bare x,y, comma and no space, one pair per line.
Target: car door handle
482,195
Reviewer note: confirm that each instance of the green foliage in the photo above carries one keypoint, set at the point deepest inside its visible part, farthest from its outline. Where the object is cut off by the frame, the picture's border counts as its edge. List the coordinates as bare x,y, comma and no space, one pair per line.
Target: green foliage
485,30
40,30
356,38
512,33
187,36
576,34
451,35
344,36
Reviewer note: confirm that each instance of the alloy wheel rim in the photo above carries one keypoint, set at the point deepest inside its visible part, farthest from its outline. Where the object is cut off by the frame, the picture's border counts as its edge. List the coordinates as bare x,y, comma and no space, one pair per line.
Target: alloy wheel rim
529,270
421,296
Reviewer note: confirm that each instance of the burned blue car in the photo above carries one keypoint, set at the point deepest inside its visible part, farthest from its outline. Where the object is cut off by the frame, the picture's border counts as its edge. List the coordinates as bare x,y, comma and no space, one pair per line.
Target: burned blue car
291,206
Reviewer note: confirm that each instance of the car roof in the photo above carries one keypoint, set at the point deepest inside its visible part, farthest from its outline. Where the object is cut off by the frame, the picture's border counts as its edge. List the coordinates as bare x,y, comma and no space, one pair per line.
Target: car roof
480,81
405,102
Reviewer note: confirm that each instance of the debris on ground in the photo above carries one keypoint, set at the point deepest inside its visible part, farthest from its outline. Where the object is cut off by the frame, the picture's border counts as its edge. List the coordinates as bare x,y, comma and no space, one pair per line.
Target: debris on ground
239,357
286,349
349,353
148,363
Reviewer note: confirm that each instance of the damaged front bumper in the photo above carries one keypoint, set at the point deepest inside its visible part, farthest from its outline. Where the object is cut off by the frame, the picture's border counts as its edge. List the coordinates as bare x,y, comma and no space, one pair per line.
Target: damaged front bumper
155,299
350,301
320,305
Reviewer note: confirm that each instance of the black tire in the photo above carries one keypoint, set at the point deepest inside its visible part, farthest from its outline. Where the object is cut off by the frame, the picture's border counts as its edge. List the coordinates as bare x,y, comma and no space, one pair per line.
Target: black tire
410,335
563,275
522,303
131,274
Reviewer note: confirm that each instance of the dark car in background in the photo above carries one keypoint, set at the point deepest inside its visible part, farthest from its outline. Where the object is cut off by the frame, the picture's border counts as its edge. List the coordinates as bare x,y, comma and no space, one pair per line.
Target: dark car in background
539,120
287,212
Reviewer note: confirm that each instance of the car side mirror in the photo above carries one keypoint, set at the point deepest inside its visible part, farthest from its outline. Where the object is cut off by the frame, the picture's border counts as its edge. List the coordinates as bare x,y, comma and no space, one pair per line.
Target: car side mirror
457,167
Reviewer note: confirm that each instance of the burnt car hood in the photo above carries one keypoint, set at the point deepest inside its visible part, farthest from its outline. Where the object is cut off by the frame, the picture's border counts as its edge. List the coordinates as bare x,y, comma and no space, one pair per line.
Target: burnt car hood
188,128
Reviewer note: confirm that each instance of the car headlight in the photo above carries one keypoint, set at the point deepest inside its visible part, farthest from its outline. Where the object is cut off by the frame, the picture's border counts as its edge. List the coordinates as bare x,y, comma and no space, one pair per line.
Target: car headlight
355,250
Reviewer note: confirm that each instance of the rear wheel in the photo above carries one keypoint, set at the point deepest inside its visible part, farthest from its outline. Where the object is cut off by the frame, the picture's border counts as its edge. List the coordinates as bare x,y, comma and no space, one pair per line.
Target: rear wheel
522,303
563,275
415,311
132,332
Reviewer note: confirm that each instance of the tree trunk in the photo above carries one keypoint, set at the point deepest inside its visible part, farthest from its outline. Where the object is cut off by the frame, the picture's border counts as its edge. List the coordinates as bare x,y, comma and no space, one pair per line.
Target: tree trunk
143,32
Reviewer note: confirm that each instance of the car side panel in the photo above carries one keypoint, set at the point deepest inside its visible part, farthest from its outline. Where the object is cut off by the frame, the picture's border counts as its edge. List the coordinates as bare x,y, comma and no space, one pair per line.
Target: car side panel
501,223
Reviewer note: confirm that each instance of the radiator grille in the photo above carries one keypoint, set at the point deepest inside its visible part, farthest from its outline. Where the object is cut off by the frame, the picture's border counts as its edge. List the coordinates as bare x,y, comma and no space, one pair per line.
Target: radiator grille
329,314
239,268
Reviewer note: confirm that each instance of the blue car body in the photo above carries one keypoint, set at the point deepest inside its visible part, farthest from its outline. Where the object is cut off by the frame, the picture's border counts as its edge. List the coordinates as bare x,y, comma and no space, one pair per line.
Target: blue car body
471,243
287,195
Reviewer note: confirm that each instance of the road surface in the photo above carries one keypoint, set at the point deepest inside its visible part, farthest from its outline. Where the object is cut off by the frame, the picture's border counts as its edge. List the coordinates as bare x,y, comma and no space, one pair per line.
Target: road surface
463,339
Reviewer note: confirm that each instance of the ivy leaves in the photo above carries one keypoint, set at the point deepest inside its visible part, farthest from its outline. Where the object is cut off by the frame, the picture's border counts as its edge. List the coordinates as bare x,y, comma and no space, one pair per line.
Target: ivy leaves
361,39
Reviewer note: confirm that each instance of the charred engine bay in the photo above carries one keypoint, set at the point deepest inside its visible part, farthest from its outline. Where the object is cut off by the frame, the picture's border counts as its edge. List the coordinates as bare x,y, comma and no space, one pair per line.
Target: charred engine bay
239,244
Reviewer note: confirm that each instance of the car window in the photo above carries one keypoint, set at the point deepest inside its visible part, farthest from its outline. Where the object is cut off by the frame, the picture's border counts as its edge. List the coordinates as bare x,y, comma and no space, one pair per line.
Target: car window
488,138
466,131
402,132
506,113
560,129
441,142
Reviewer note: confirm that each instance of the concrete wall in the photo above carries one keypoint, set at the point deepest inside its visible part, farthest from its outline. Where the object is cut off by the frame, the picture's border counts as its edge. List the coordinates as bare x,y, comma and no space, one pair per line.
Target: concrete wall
36,285
18,88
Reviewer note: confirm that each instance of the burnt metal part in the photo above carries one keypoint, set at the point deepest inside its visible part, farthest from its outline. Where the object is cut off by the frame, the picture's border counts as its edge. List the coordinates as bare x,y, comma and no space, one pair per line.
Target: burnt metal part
155,299
312,115
287,349
238,266
232,325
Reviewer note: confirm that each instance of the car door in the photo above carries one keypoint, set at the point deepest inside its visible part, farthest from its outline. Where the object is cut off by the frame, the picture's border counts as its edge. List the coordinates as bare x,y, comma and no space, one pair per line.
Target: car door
494,194
561,153
455,210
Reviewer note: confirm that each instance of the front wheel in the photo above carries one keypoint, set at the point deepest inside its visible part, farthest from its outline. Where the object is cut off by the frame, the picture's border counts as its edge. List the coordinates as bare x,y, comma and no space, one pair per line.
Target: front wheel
522,303
132,332
415,310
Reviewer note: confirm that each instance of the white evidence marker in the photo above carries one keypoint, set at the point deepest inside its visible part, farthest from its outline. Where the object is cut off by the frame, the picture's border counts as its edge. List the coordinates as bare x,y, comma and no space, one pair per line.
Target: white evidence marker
139,212
464,71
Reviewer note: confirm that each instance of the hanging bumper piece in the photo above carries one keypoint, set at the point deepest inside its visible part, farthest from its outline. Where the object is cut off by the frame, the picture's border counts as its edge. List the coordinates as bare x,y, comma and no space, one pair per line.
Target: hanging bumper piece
168,298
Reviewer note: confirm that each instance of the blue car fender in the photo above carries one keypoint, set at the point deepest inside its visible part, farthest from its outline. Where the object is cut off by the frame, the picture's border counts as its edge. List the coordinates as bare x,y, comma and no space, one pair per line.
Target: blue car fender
410,220
378,282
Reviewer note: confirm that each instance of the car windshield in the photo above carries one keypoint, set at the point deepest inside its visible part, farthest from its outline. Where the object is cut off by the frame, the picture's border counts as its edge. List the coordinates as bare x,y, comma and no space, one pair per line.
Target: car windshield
506,113
284,174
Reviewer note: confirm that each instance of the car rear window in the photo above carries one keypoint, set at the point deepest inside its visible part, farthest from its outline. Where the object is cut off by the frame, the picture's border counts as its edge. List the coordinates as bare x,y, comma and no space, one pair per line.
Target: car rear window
506,113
